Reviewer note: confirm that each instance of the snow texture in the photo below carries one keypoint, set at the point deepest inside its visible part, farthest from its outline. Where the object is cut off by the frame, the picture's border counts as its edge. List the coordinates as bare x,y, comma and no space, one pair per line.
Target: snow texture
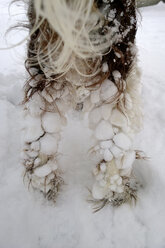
49,144
107,155
26,220
108,90
51,122
122,141
33,129
104,131
42,171
36,105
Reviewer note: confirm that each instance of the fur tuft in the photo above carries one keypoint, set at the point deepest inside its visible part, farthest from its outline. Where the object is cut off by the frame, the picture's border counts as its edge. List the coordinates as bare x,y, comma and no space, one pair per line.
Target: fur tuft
77,24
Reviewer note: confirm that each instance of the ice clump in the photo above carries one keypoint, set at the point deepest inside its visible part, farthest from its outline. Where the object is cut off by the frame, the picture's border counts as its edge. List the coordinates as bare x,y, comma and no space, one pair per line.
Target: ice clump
105,67
116,184
128,159
104,130
103,167
108,155
33,129
117,75
32,154
35,105
51,122
122,141
106,144
98,192
46,169
42,171
116,151
108,90
35,145
49,144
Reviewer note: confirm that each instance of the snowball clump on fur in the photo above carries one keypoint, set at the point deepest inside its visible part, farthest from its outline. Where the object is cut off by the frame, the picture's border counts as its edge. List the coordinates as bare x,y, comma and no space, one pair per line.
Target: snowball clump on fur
104,130
51,122
49,144
33,129
122,141
108,90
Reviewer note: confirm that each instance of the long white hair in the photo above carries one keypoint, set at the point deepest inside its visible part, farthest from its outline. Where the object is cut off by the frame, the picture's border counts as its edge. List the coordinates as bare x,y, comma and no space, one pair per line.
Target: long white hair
76,23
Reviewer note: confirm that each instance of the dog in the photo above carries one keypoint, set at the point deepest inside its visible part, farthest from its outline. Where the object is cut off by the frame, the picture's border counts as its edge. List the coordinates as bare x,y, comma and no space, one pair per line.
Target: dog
82,55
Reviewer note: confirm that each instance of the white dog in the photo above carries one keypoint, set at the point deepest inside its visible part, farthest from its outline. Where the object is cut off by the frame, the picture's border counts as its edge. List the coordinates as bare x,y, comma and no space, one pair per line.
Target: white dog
82,55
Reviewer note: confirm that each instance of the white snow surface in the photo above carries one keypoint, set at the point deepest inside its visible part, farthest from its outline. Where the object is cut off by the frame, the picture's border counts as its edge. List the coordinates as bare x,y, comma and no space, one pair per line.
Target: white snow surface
27,221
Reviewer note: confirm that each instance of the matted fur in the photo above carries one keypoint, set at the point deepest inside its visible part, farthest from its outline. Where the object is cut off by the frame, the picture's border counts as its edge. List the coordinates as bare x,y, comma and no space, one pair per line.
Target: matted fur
79,49
50,56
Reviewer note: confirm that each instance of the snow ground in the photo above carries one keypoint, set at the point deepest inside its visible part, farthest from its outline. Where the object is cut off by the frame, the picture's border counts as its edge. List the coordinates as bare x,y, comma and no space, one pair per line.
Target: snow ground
27,221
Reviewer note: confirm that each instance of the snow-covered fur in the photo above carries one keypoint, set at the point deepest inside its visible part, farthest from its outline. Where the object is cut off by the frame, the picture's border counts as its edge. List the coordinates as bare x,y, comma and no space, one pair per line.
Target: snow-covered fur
76,22
82,56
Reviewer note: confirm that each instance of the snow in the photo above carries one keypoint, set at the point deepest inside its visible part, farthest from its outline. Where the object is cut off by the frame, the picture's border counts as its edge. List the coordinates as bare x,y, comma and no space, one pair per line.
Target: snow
42,171
27,221
32,154
33,129
117,152
35,146
98,192
122,141
51,122
104,130
116,75
49,144
106,144
105,67
107,155
36,105
108,90
103,167
115,183
128,159
45,169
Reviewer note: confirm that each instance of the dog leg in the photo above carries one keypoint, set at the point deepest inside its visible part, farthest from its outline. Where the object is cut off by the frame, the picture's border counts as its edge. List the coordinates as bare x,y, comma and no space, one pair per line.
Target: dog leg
44,119
114,122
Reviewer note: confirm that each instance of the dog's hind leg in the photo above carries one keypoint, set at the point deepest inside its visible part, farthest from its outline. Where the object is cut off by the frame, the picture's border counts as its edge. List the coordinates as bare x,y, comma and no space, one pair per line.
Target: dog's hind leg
45,104
44,119
114,123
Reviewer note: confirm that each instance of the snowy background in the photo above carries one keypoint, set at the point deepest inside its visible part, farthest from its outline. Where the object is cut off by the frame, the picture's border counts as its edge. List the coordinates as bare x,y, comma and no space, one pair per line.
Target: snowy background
25,219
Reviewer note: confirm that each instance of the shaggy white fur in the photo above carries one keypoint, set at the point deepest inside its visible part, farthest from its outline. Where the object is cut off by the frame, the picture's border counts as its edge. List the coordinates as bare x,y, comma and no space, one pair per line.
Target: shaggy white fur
77,23
113,129
113,105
